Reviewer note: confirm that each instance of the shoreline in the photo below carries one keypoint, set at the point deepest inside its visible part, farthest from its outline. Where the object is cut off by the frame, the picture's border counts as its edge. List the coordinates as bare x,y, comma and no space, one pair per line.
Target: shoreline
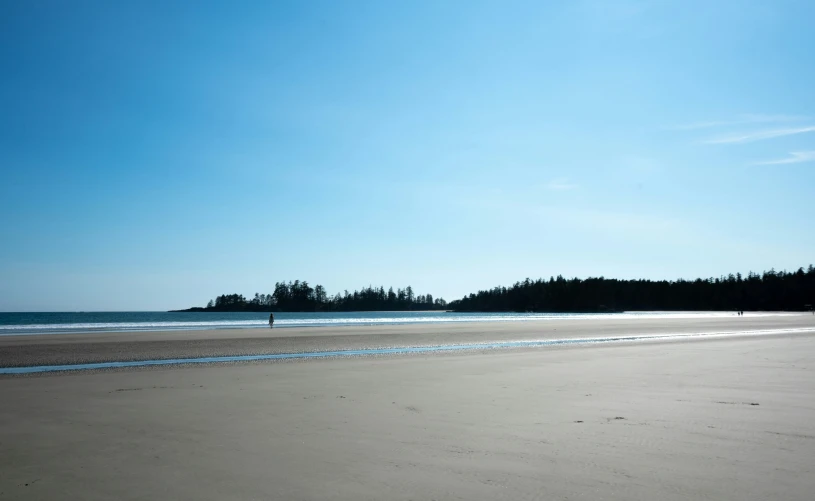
21,330
407,350
97,347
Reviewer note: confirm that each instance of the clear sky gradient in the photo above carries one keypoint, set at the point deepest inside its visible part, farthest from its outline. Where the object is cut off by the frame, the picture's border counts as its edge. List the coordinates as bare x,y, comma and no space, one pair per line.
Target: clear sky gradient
156,154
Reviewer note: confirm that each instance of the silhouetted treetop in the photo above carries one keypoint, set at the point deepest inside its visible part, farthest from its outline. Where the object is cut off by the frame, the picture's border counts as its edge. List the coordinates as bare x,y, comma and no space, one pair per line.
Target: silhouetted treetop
770,291
300,296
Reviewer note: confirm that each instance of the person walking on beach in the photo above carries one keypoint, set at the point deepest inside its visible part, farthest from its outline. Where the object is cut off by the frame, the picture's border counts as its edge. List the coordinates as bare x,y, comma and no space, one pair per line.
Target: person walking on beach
271,320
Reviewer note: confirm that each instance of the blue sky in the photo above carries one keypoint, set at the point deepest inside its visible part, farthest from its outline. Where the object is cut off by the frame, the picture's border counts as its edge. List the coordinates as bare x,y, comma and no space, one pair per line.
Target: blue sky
157,154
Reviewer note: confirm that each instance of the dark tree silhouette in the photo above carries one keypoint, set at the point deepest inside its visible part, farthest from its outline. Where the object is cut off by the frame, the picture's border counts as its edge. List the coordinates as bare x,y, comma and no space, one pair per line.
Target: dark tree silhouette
771,291
299,296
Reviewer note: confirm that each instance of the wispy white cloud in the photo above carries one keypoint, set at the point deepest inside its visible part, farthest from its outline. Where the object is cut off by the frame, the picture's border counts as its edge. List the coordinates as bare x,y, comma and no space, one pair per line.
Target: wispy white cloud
748,137
746,119
560,184
795,157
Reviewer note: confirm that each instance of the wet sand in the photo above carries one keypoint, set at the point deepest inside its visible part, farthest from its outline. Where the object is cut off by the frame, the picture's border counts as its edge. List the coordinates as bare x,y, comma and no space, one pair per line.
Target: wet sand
28,350
729,419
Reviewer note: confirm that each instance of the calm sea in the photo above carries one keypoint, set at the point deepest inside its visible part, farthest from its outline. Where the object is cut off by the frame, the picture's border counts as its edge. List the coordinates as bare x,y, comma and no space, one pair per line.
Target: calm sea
42,323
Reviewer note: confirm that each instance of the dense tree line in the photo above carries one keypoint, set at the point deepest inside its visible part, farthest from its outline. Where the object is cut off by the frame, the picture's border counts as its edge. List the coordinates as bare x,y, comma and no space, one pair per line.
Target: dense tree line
300,296
770,291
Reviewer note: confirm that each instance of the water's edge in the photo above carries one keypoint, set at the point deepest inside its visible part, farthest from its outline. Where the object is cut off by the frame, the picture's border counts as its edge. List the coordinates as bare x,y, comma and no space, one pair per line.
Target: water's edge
66,323
397,351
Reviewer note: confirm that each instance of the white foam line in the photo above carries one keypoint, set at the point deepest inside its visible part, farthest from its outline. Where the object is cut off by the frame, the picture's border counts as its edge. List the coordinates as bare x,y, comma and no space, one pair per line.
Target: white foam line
34,329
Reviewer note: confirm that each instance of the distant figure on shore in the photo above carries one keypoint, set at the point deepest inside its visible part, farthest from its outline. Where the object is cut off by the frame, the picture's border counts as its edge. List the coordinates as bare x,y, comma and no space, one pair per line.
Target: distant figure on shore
271,320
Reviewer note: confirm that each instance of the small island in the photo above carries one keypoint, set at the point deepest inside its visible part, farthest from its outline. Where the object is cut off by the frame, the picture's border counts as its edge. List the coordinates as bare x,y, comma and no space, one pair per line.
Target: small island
299,296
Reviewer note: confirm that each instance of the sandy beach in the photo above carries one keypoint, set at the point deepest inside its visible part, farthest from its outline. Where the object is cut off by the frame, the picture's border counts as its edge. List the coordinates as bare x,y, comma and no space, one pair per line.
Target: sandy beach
722,418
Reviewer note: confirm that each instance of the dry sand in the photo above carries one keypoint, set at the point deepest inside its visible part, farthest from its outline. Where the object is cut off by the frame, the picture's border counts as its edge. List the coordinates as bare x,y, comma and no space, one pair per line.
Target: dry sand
723,419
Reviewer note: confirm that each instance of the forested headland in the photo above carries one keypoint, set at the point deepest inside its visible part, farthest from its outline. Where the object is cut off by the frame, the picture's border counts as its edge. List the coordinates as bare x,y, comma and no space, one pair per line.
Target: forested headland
300,296
770,291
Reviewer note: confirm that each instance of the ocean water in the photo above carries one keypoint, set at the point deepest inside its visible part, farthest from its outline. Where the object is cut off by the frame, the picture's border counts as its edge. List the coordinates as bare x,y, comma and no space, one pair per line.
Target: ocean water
69,322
